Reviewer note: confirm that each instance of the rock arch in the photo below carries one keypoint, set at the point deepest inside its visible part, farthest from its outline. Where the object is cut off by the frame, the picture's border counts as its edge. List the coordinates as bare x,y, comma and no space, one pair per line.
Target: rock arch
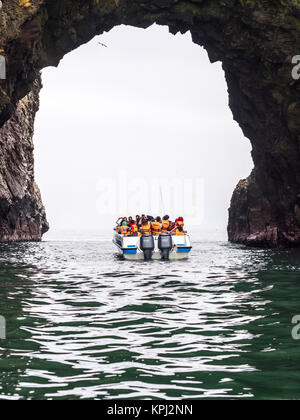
255,41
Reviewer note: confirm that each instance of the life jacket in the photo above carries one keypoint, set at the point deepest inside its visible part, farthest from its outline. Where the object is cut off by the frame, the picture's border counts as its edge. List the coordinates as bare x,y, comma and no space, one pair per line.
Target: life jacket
179,233
134,229
156,227
146,229
124,230
165,225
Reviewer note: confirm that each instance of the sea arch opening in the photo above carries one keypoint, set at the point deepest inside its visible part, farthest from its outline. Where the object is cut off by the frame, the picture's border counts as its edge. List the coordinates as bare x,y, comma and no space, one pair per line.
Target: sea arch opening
263,97
143,105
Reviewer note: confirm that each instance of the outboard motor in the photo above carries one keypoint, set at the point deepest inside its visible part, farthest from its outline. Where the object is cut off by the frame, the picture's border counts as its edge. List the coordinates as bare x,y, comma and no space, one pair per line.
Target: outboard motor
147,246
165,244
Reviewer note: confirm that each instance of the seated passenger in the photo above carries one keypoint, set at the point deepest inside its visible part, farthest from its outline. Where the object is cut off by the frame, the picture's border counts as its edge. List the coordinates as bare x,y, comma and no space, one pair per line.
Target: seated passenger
133,228
180,222
156,226
119,221
166,224
145,228
173,226
180,231
124,229
138,220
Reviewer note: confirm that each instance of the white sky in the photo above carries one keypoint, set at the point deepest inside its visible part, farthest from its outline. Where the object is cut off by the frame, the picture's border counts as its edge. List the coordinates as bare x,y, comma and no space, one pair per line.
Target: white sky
149,108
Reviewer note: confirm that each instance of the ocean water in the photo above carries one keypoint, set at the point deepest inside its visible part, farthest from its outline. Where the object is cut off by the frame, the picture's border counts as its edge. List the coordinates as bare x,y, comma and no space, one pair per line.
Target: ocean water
83,324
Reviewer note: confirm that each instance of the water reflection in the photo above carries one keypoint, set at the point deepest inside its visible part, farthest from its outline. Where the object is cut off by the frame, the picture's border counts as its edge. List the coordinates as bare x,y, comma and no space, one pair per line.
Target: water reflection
83,324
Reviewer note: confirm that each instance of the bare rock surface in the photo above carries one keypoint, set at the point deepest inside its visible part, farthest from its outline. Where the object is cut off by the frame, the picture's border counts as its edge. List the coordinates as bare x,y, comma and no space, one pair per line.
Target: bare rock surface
22,215
254,40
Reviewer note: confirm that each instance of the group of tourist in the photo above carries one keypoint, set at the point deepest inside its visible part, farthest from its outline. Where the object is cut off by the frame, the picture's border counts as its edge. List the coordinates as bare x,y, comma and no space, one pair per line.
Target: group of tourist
148,225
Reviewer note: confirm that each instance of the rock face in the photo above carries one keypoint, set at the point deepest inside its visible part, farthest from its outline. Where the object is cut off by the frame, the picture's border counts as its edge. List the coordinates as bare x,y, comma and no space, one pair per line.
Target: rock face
257,217
22,215
255,41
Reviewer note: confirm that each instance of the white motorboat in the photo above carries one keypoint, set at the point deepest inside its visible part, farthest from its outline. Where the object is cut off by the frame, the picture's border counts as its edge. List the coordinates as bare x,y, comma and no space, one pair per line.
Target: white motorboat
150,247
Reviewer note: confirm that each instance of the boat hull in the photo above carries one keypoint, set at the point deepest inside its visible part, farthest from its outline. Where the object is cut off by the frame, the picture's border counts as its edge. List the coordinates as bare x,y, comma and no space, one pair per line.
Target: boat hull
129,248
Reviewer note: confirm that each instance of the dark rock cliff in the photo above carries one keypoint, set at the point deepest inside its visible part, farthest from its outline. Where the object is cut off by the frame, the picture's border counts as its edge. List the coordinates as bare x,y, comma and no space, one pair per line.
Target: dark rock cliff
255,40
22,215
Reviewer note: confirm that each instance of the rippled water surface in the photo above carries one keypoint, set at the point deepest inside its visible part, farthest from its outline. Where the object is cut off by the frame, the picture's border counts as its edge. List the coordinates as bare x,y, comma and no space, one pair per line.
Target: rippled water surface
81,323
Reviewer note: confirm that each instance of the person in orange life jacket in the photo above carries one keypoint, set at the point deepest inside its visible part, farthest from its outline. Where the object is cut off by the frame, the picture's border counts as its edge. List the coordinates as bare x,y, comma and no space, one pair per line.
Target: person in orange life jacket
133,228
145,228
156,226
180,231
166,224
124,229
124,220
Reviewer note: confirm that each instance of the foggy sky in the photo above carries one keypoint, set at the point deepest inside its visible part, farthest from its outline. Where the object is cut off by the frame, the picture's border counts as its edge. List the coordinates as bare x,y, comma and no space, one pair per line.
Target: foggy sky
150,109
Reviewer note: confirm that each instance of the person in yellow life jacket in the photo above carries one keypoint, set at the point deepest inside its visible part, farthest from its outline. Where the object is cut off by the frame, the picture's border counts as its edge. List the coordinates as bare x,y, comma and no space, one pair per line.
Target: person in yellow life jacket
166,224
180,231
156,226
124,229
145,228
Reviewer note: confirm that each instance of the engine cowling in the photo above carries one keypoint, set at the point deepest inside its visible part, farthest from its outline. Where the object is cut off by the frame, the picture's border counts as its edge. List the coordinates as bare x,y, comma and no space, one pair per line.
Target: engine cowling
165,244
147,246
